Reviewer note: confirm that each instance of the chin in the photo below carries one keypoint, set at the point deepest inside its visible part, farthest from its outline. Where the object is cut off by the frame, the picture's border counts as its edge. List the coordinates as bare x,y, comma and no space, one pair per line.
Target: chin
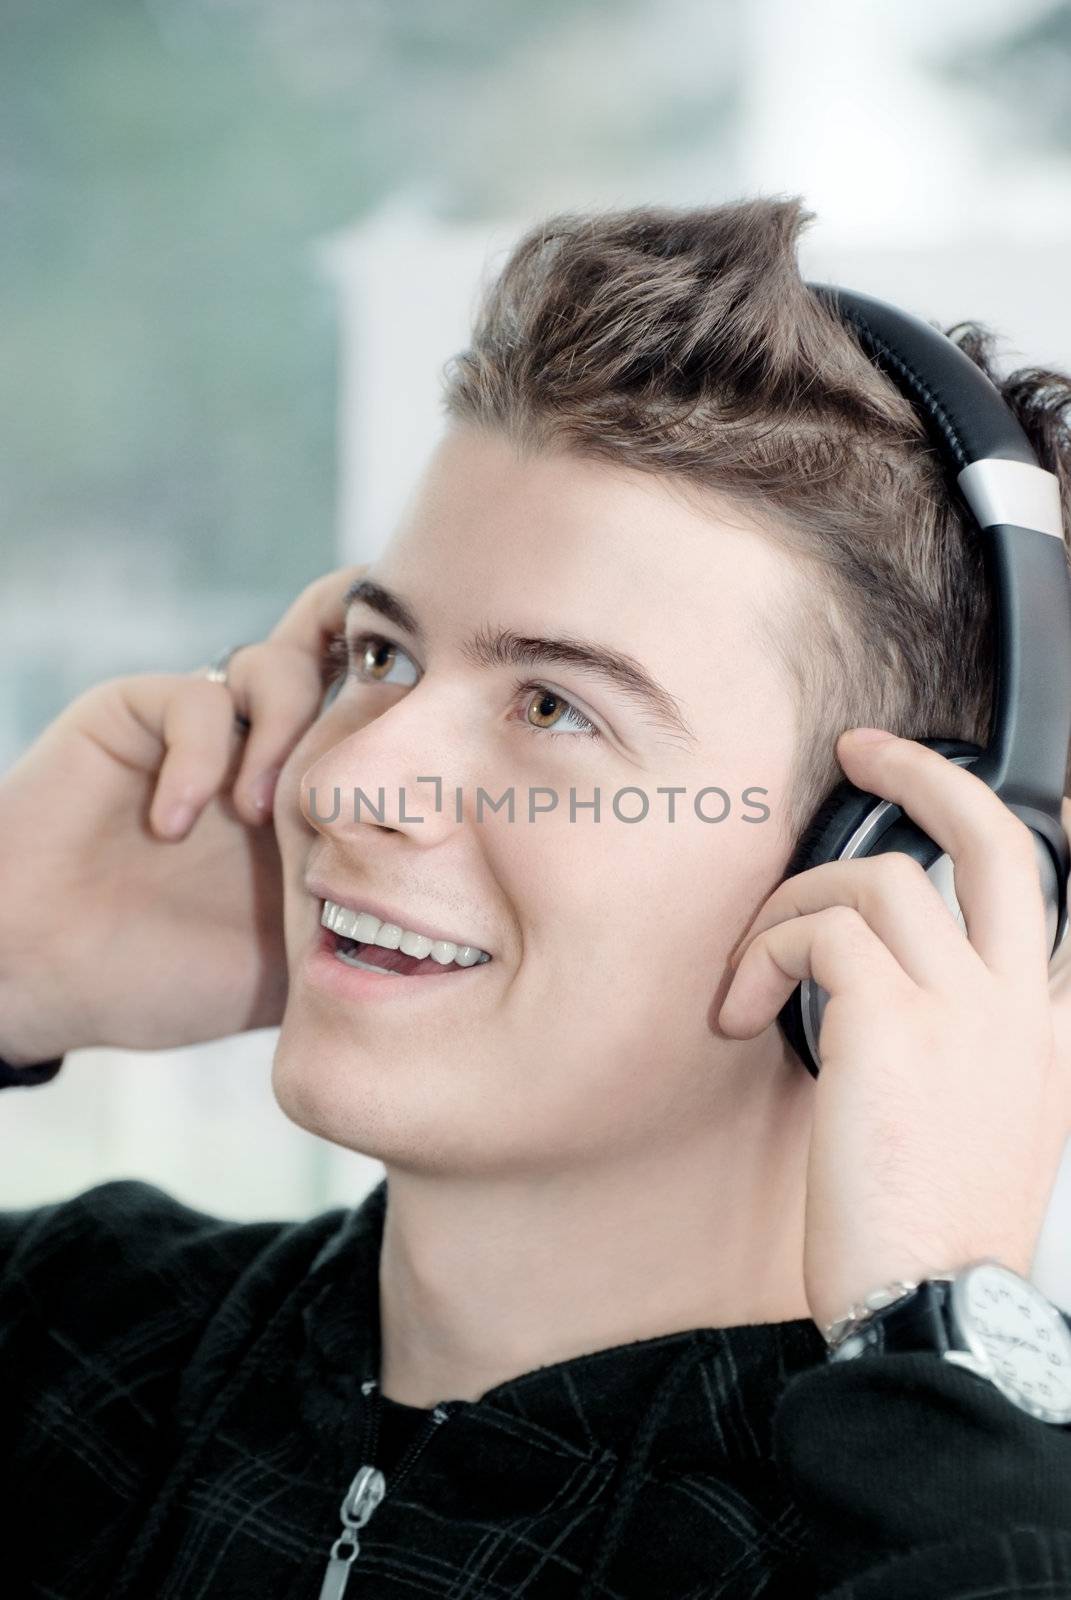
318,1084
411,1121
333,1089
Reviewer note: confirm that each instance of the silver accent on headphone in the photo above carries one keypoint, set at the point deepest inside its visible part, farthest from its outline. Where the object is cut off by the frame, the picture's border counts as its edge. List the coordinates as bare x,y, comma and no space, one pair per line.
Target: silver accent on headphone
813,997
941,872
1013,494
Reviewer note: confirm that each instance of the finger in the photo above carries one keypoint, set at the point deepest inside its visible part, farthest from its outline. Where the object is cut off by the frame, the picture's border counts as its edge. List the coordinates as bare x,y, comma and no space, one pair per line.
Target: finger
277,686
280,695
285,706
318,612
192,721
995,868
898,902
834,946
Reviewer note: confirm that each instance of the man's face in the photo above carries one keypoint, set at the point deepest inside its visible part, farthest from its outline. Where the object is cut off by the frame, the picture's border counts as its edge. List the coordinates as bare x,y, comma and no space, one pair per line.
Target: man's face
591,1034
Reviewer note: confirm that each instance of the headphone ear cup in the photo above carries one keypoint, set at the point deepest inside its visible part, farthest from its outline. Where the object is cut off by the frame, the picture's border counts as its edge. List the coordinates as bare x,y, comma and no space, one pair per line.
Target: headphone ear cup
814,846
809,846
827,834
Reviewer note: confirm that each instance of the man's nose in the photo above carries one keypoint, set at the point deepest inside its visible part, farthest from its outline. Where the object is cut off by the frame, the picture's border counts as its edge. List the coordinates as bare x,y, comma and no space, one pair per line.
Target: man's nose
398,771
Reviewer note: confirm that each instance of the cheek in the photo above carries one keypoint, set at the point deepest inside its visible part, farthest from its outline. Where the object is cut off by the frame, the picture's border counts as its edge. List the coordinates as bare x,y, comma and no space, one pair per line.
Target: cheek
626,938
633,924
620,940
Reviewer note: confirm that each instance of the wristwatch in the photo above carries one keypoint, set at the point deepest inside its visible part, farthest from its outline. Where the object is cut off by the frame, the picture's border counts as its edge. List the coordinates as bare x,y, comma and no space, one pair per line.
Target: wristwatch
20,1077
985,1318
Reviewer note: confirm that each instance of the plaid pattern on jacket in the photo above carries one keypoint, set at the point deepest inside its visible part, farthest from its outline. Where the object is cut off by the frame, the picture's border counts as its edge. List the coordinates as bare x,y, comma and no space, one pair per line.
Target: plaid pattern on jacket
181,1415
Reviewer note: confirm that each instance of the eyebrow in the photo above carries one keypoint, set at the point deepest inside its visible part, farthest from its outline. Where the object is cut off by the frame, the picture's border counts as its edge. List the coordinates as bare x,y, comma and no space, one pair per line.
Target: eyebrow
503,647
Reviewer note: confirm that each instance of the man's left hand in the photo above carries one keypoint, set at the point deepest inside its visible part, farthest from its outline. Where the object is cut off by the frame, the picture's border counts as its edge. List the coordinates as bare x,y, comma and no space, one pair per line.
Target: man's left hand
943,1103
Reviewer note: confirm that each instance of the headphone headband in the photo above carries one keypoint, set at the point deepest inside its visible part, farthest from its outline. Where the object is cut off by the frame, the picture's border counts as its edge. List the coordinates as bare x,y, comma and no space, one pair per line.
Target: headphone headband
1015,506
962,406
996,468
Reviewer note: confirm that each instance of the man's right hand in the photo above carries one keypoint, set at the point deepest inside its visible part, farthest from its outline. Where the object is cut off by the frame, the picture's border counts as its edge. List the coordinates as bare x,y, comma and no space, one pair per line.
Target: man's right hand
114,930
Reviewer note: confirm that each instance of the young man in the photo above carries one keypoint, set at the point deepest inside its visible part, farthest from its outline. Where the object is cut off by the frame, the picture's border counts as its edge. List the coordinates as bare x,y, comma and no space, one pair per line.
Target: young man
679,536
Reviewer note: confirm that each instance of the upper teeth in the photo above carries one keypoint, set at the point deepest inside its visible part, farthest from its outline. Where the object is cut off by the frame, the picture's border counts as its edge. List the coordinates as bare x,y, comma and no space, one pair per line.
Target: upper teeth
367,929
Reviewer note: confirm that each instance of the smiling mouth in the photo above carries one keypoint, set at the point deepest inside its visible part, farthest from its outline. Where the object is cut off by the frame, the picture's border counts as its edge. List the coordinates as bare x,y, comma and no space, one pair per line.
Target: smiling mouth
375,958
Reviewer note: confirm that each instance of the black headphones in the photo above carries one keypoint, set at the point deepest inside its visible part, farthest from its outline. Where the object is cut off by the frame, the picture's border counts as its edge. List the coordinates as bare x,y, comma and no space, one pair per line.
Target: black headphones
1015,503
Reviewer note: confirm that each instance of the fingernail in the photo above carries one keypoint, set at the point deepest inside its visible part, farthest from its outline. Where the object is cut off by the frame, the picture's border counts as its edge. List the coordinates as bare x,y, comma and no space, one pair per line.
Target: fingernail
870,735
261,792
178,818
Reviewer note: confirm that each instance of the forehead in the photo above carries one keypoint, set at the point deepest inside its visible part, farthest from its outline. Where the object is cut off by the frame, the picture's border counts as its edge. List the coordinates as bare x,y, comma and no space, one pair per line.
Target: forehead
553,542
608,530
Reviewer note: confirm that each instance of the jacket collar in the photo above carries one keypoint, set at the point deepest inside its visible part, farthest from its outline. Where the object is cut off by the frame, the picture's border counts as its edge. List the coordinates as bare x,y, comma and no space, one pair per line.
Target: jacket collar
725,1381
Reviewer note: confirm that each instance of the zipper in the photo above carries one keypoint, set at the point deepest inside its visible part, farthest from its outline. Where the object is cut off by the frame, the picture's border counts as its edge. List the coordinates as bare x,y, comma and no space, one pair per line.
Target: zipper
367,1490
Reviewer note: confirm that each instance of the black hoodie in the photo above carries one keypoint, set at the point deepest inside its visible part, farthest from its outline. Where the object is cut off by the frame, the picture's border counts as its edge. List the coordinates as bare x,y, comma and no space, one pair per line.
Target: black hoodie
181,1415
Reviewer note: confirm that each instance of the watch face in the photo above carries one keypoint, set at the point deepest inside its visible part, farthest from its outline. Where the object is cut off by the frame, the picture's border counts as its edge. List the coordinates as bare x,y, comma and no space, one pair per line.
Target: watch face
1018,1337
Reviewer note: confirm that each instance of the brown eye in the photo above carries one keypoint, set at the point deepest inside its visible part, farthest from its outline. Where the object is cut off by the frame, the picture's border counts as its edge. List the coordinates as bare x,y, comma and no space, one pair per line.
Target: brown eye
551,713
546,706
375,660
377,657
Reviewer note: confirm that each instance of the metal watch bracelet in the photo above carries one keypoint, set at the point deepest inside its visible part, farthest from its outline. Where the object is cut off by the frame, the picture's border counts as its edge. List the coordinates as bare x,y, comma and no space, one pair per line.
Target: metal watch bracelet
860,1313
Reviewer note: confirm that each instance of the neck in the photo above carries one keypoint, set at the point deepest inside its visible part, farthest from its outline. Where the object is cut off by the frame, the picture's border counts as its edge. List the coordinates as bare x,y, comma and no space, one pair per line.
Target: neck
485,1278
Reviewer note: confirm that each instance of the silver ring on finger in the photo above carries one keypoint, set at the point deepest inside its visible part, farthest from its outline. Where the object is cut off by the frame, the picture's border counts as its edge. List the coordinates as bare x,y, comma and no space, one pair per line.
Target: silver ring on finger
217,673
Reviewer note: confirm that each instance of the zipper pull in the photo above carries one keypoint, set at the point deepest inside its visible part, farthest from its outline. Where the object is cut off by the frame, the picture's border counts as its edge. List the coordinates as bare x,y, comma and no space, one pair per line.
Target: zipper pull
362,1498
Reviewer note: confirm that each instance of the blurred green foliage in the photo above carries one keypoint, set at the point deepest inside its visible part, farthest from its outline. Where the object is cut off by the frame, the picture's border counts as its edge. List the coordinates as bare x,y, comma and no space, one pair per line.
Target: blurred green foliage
1025,73
165,168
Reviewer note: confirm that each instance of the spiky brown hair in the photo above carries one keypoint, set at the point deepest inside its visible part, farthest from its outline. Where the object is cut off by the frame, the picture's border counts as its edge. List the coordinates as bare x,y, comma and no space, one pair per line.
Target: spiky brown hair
684,342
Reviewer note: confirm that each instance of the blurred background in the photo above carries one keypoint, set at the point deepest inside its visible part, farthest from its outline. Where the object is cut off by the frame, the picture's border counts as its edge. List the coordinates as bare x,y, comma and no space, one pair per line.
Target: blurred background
242,236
